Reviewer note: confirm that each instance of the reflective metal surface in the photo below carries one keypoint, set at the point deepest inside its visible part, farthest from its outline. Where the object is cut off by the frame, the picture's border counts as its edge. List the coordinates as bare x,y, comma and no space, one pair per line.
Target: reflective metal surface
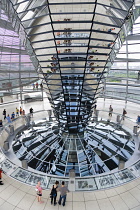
101,149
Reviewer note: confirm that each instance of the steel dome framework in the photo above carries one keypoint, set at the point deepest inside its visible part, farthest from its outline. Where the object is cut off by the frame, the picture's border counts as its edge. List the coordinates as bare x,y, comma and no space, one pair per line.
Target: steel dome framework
72,46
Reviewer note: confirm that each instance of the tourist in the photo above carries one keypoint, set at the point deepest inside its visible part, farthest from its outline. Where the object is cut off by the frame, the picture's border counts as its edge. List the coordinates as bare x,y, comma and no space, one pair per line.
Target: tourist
110,111
1,100
63,193
23,112
17,112
13,116
33,86
41,86
20,110
8,119
124,113
109,45
4,113
53,193
37,85
111,29
138,120
0,173
31,111
95,109
1,123
1,183
39,192
95,106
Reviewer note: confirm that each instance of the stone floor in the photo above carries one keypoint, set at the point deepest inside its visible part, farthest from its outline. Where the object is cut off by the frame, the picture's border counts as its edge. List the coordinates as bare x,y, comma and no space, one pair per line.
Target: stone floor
16,196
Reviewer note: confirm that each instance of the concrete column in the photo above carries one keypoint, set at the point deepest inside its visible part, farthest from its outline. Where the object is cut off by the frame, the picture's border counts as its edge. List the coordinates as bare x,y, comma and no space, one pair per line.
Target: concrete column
24,164
96,114
28,119
121,165
49,114
72,180
11,127
118,119
72,173
6,146
135,129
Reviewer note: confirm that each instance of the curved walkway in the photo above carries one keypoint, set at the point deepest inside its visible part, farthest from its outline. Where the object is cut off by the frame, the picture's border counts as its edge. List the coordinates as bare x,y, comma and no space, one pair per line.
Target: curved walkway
17,196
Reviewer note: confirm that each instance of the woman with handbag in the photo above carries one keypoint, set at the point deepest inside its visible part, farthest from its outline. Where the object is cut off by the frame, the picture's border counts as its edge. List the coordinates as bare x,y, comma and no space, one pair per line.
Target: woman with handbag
53,194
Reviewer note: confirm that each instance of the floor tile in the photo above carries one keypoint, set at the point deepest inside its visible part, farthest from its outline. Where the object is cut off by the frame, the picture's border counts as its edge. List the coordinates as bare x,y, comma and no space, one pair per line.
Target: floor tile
118,203
7,206
17,184
136,193
69,196
92,205
24,188
26,202
89,196
120,189
68,206
130,201
79,206
16,197
1,201
136,208
130,185
138,186
138,181
38,206
2,187
111,192
51,207
6,193
105,204
32,191
100,195
46,194
78,196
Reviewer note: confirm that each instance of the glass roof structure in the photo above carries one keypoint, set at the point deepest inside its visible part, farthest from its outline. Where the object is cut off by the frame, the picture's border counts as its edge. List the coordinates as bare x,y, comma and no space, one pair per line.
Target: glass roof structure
16,68
72,45
123,81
